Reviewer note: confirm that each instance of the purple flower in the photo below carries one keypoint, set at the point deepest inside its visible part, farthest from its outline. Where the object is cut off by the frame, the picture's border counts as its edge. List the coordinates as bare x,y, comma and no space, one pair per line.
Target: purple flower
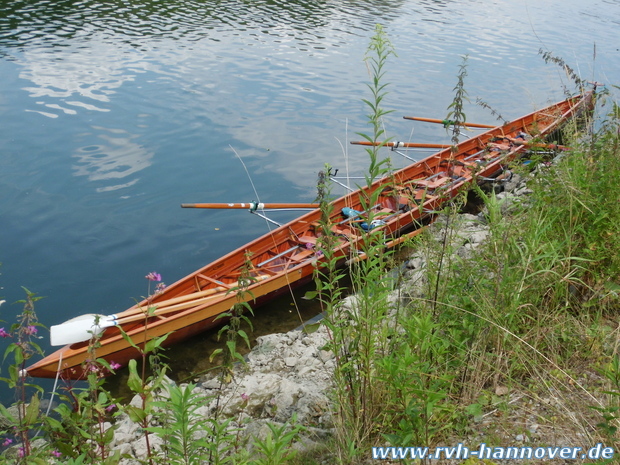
30,330
160,288
114,365
110,408
92,367
245,397
153,276
56,454
21,452
3,333
7,442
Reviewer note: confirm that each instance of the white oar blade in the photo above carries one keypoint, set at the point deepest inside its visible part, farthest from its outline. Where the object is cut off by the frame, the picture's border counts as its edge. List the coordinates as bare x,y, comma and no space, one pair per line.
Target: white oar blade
79,329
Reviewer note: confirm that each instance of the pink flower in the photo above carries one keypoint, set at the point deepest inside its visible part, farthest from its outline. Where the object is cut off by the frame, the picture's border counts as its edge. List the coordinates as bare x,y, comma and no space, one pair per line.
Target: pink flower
7,442
30,330
21,452
160,288
114,365
92,367
56,454
245,397
3,333
153,276
110,408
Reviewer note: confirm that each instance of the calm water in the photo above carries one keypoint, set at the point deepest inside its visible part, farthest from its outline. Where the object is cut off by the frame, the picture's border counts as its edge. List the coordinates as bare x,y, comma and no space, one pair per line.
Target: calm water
114,113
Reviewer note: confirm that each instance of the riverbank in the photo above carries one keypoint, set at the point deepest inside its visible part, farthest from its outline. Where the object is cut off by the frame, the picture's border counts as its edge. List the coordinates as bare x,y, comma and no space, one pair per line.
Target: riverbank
500,329
290,377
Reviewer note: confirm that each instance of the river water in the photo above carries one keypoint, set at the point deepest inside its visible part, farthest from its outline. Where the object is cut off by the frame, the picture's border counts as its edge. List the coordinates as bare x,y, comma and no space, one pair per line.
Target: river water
114,113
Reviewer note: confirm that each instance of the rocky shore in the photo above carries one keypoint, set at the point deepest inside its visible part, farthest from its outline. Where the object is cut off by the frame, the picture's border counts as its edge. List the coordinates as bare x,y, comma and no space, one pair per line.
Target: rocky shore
292,373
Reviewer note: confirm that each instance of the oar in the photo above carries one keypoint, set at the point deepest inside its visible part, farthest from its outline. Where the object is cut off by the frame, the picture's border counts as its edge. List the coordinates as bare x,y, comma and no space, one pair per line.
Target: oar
83,327
250,205
447,122
175,300
137,309
402,144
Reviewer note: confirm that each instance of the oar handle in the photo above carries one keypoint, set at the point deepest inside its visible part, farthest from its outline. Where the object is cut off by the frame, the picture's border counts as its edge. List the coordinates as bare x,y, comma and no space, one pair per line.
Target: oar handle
447,122
249,206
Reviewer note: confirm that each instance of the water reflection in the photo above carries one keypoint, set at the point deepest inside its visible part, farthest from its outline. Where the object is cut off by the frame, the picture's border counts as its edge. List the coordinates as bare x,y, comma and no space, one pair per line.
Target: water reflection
118,157
24,22
82,75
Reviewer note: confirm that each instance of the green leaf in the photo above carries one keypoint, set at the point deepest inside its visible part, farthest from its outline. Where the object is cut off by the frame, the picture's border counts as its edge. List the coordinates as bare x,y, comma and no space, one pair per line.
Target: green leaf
103,398
239,357
113,459
129,340
312,327
245,337
11,348
310,295
155,343
137,415
222,315
232,346
54,424
5,413
32,411
214,354
19,356
135,381
109,435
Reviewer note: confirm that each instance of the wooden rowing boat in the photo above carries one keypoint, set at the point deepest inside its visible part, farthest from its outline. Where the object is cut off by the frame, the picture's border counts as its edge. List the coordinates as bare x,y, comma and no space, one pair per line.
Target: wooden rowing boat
287,256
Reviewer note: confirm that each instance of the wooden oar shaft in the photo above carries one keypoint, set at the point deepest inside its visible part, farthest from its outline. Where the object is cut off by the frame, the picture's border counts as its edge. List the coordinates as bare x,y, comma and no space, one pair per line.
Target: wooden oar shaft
401,144
136,310
249,205
142,313
446,122
173,303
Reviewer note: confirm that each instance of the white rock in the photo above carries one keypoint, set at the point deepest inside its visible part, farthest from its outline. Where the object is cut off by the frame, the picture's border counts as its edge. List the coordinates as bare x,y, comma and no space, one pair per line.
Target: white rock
124,448
139,446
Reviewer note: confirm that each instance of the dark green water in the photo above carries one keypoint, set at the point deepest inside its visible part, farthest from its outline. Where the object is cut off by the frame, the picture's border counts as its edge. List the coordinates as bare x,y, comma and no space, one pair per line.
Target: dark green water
114,113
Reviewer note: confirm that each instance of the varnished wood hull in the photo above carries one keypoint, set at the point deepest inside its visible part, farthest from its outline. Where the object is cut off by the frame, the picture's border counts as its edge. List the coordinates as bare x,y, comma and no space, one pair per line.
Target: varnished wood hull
287,256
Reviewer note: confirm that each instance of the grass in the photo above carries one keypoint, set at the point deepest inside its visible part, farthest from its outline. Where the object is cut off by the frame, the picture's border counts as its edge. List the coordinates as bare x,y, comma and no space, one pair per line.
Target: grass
531,315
